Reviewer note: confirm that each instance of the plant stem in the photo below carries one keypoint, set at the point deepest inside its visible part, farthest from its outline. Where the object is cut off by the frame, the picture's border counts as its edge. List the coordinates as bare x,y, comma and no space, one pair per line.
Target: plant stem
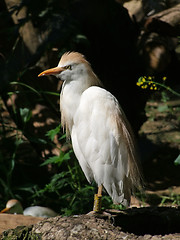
166,87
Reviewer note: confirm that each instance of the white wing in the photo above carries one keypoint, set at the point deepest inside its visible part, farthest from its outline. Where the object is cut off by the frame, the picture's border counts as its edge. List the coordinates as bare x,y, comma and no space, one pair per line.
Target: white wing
101,143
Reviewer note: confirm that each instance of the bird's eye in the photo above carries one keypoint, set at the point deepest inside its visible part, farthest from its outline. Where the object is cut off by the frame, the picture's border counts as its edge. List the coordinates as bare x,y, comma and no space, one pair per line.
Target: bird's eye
68,67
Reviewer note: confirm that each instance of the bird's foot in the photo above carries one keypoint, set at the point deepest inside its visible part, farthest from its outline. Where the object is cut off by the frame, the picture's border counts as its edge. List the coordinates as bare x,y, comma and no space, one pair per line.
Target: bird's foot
101,214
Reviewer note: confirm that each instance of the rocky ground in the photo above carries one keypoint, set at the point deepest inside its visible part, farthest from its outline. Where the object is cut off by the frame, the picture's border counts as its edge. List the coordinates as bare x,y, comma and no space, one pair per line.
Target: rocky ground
144,223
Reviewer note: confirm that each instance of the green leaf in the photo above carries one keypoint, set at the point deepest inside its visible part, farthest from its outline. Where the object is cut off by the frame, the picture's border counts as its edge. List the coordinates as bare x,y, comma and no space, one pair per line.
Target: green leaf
25,85
50,160
26,188
50,93
177,161
37,140
62,137
26,114
57,159
163,108
18,141
11,166
67,155
51,133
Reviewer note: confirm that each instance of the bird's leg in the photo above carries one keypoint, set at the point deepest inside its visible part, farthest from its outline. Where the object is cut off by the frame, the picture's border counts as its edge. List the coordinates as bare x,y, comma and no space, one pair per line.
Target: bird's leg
97,200
100,188
97,205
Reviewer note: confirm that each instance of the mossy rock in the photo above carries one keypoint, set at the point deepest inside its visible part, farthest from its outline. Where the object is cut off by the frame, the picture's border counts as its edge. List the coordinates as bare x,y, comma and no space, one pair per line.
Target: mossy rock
21,233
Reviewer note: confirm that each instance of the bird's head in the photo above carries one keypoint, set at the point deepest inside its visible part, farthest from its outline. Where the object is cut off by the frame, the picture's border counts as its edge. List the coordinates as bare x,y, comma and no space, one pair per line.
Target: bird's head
13,206
70,64
73,66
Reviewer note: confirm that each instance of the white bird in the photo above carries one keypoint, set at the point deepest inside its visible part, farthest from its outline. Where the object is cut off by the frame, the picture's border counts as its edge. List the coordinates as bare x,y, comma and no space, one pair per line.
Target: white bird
13,206
101,136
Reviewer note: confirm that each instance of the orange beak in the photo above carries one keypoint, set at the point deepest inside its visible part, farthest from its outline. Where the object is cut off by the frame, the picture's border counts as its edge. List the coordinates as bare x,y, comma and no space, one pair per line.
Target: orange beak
5,210
51,71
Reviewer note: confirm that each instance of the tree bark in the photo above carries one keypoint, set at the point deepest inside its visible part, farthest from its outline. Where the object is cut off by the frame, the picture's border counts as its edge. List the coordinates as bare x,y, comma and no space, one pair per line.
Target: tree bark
171,15
27,31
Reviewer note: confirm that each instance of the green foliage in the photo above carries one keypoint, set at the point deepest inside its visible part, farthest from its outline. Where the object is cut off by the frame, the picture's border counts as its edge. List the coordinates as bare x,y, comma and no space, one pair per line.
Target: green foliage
164,96
52,133
72,193
71,196
163,108
25,114
108,204
173,199
24,85
11,140
177,161
58,159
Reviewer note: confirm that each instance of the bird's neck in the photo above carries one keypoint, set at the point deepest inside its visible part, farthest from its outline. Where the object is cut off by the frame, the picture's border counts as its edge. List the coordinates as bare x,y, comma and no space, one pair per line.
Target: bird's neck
71,96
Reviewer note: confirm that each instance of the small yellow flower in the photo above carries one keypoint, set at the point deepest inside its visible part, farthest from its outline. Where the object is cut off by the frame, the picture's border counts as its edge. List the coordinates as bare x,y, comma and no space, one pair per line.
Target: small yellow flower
164,78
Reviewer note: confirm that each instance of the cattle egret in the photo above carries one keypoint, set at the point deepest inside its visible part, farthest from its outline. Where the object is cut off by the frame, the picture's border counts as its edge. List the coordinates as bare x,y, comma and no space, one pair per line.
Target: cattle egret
13,206
101,136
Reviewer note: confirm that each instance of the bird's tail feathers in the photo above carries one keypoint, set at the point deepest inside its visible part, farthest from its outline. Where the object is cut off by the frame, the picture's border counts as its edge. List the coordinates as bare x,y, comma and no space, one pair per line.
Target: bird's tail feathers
135,178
